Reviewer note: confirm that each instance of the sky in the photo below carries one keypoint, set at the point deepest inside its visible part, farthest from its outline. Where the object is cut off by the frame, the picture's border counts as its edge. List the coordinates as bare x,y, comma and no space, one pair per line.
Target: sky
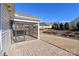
50,12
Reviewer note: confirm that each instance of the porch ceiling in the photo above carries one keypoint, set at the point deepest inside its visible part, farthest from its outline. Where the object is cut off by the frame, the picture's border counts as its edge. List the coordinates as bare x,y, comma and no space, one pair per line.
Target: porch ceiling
25,17
26,21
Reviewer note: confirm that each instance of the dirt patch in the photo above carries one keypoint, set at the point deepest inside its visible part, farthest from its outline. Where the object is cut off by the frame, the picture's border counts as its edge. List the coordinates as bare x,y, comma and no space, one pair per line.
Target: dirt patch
65,33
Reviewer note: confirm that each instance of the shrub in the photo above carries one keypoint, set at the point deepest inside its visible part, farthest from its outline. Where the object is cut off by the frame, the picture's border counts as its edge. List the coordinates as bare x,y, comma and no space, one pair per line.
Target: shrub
61,26
55,26
66,26
77,25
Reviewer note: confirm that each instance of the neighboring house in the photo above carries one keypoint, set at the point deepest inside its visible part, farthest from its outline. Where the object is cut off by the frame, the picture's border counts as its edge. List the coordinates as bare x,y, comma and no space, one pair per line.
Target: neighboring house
73,23
6,14
44,25
25,25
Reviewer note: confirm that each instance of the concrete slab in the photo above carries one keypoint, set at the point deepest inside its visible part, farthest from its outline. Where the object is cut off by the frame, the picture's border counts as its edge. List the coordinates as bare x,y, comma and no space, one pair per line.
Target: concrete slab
36,48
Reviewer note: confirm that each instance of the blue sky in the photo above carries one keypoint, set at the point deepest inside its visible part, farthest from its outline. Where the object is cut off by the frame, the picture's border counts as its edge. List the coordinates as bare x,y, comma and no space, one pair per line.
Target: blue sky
50,12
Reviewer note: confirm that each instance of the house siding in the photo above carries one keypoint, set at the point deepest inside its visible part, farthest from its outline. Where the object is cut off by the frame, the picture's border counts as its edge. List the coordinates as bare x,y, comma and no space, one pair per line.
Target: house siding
6,32
0,30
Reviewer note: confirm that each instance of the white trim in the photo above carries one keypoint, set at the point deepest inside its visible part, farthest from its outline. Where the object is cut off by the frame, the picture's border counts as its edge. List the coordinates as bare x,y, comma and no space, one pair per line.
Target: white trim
26,20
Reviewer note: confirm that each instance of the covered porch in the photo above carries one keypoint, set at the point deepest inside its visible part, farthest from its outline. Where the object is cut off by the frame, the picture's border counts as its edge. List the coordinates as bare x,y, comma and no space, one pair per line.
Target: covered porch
24,30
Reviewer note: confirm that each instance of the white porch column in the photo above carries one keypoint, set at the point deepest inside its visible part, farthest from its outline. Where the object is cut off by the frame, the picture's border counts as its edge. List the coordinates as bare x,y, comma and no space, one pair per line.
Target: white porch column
38,32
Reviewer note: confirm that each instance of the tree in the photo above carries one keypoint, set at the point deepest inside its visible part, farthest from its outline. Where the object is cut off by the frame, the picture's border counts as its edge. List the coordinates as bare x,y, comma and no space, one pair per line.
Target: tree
52,26
55,26
66,26
61,26
77,25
